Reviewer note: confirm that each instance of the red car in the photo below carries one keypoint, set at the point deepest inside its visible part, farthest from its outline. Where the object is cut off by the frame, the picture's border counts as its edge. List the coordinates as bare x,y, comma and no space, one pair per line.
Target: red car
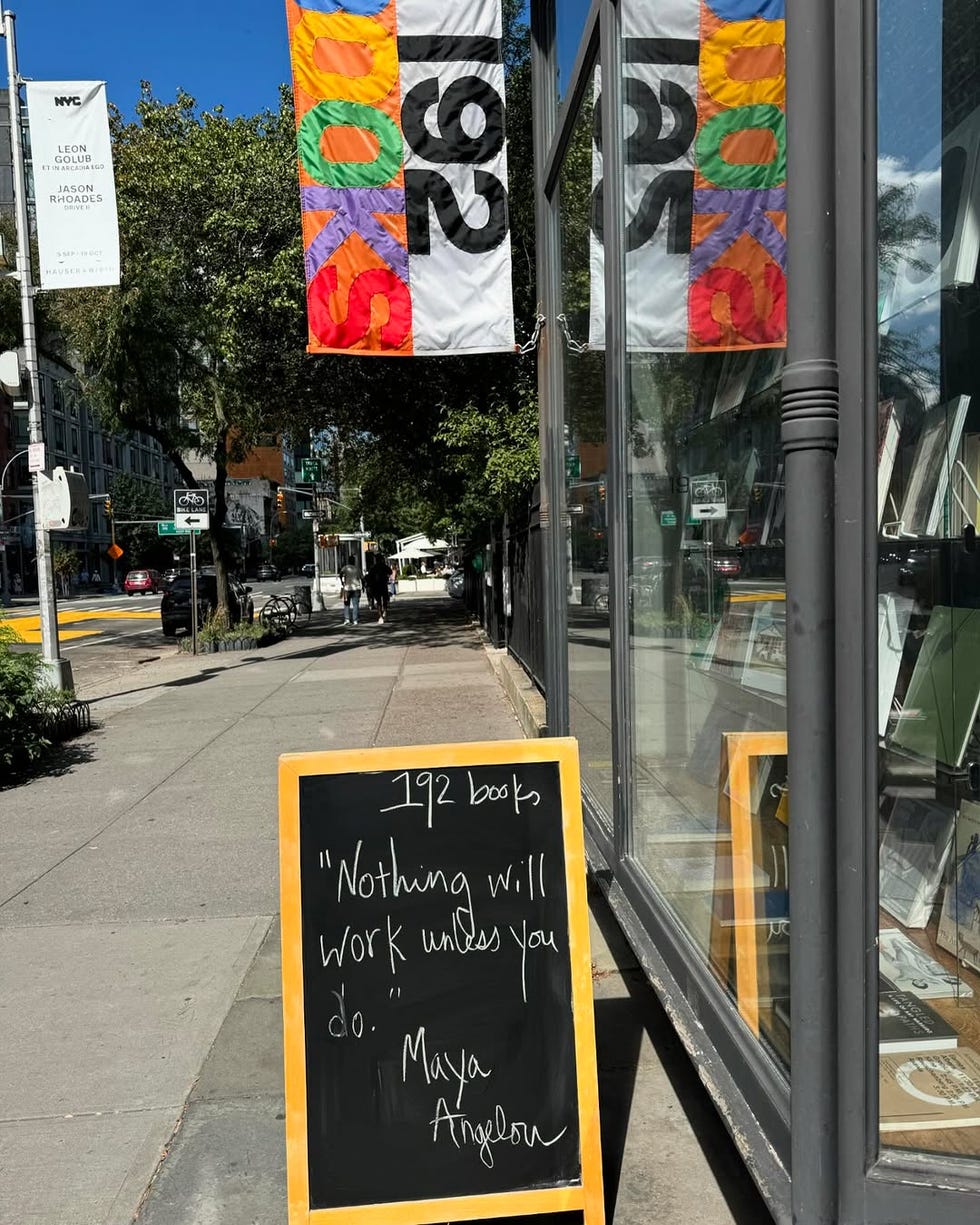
139,582
727,565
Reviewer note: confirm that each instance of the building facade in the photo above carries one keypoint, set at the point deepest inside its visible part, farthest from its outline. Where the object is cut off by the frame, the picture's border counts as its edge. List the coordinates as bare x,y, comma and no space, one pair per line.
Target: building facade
76,439
764,572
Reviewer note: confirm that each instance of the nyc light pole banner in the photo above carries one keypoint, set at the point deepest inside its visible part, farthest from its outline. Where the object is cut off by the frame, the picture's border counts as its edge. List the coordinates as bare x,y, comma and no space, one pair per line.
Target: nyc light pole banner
403,175
705,169
74,188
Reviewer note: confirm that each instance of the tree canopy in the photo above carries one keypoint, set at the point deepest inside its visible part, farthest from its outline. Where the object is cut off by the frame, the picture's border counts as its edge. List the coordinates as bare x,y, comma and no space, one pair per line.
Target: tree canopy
203,344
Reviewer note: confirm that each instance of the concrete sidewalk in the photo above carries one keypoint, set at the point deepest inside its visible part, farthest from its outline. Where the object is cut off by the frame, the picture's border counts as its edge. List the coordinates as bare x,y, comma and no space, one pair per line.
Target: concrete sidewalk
140,1011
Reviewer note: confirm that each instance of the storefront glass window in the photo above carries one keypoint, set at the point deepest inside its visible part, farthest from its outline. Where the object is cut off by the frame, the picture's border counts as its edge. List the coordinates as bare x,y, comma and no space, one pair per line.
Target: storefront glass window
570,17
586,471
705,589
928,510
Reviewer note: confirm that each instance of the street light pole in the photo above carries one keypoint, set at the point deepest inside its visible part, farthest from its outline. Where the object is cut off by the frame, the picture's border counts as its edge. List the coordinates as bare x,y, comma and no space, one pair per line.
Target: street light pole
57,670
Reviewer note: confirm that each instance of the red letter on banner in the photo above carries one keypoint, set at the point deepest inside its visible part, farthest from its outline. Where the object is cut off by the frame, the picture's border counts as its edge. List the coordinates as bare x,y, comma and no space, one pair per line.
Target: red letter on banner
356,328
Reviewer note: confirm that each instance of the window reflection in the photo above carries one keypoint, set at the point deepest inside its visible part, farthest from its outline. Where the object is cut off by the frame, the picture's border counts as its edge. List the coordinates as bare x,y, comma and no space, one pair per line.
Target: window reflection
707,621
586,473
929,575
570,17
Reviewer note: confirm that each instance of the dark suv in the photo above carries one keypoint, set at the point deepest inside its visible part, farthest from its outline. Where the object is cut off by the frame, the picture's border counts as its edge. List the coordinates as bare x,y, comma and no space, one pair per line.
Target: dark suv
175,607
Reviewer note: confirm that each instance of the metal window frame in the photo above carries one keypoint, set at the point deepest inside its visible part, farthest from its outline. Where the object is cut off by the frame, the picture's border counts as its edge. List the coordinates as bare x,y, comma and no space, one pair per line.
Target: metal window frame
877,1186
749,1089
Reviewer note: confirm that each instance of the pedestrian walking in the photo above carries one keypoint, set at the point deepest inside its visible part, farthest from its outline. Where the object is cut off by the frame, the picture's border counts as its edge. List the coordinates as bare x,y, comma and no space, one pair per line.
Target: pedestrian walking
350,586
376,581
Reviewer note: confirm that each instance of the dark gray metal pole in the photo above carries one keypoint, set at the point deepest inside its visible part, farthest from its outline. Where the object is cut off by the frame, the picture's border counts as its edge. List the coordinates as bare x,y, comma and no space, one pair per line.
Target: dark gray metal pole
548,273
809,433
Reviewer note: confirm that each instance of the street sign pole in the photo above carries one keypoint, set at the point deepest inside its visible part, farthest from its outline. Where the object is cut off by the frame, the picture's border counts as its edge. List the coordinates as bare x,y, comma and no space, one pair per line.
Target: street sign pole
193,592
57,670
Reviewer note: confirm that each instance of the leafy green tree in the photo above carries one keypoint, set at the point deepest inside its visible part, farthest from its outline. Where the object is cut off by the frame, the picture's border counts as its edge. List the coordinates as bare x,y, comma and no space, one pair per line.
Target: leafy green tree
294,547
447,453
65,563
202,345
133,499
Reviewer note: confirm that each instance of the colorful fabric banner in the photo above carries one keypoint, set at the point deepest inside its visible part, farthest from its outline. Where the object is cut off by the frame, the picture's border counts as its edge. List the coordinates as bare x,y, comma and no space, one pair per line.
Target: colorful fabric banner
74,187
705,177
403,175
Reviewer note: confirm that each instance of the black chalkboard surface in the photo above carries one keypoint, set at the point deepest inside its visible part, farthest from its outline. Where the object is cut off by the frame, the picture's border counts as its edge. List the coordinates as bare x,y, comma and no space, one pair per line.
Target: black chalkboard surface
434,1027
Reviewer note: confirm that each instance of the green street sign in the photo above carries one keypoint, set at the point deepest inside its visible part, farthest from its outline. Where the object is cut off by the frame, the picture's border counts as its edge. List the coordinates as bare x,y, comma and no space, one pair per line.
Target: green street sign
668,518
309,471
573,467
167,527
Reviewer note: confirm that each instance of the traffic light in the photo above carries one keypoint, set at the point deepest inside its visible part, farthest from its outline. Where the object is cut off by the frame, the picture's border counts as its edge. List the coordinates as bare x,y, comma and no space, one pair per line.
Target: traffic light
602,491
108,507
281,505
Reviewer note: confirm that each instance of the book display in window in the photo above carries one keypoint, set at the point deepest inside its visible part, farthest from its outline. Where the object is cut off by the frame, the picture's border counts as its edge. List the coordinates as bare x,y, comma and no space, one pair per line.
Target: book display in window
959,925
905,1021
911,859
765,660
924,1089
889,433
909,968
894,613
943,697
935,454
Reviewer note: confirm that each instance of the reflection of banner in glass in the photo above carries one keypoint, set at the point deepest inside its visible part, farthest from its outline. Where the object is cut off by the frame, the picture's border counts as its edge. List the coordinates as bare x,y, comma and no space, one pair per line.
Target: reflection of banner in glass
403,175
74,187
705,177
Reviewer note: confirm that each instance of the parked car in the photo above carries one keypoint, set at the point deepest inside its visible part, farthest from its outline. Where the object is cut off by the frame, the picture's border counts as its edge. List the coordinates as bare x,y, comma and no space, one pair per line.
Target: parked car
308,569
175,607
726,565
267,571
175,572
456,584
139,582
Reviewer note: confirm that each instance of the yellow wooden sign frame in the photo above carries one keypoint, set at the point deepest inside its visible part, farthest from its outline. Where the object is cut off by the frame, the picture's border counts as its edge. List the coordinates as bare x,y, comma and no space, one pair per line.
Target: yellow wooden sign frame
587,1195
741,751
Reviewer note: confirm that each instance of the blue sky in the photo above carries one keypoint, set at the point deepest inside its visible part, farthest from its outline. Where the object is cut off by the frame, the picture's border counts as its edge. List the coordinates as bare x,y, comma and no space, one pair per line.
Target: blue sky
230,53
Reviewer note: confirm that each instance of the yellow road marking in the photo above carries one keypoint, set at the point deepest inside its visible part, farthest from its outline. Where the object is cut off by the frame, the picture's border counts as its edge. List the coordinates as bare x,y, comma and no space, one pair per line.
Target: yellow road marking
756,597
28,628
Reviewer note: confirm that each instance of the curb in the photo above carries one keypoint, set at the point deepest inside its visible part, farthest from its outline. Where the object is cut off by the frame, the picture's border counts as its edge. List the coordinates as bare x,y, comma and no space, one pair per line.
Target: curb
529,705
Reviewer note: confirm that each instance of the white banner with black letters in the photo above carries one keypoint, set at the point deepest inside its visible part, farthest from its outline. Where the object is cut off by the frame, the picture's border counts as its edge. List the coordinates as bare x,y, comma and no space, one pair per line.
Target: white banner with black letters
74,188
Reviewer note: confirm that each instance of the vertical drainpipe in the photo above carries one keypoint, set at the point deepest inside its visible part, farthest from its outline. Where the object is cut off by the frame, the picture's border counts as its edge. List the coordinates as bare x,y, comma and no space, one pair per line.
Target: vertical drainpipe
810,412
551,436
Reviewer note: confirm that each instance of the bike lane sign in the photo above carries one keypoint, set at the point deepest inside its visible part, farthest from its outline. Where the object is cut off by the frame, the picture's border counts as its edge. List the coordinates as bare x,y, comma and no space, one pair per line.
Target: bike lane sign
709,498
191,509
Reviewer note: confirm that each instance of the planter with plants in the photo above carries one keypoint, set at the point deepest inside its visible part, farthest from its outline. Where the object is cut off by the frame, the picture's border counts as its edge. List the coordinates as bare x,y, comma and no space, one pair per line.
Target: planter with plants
33,716
216,635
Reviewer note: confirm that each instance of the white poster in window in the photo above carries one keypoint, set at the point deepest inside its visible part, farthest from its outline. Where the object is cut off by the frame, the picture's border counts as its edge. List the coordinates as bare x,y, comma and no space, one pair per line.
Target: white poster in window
74,188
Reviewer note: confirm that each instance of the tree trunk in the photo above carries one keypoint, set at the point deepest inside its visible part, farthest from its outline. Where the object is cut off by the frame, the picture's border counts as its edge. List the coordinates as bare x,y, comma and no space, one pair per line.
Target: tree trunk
220,551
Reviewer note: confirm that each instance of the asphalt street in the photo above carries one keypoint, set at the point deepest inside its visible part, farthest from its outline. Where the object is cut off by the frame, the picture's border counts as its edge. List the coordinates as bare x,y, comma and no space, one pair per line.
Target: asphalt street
106,633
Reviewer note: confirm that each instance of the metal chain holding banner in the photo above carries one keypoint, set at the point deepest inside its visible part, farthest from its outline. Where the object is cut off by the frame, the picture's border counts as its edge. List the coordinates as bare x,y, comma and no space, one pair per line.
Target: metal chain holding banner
574,346
530,345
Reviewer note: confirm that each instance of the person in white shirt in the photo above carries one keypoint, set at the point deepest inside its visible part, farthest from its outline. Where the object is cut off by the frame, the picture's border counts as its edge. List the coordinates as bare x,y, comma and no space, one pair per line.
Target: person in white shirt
350,585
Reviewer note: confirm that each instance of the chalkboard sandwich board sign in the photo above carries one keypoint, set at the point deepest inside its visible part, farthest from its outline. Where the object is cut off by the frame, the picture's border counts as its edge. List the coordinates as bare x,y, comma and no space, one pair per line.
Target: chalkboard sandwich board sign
437,990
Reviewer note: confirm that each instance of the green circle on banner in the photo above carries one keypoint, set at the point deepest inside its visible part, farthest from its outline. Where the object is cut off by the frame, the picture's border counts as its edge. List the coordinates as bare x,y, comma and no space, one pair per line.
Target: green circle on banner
338,114
722,173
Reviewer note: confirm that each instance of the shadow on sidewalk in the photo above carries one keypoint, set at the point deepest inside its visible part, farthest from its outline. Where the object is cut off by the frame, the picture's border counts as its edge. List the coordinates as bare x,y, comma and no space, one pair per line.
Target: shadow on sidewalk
423,623
61,760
